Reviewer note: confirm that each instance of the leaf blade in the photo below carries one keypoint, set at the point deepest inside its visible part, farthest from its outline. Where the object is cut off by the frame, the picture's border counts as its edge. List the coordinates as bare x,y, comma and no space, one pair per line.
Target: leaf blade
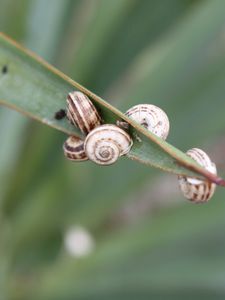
48,87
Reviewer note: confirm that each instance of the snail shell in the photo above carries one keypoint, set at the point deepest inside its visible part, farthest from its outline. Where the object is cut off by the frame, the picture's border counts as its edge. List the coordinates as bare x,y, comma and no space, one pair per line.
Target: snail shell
74,149
196,190
151,117
81,112
106,143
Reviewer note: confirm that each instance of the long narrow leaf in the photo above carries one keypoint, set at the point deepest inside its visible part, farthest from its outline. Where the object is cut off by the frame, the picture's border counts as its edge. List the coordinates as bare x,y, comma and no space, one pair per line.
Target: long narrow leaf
32,86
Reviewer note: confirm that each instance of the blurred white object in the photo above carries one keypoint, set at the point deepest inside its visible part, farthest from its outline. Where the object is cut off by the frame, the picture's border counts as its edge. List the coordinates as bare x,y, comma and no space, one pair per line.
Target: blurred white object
78,241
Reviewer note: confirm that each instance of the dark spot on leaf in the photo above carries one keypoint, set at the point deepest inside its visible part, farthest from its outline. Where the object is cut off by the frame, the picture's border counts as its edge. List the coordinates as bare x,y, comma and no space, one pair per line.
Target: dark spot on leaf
59,115
4,69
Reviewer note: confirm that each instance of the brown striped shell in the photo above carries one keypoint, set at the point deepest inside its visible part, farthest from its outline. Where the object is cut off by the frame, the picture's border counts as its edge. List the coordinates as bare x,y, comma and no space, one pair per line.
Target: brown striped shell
151,117
74,149
106,143
81,112
196,190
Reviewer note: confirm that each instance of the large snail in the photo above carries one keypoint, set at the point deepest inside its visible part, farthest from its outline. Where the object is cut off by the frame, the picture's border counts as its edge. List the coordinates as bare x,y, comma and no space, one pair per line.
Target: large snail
151,117
81,112
106,143
196,190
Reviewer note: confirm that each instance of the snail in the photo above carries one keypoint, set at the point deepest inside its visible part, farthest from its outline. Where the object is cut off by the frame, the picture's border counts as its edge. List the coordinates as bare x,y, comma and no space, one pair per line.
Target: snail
151,117
106,143
74,149
196,190
81,112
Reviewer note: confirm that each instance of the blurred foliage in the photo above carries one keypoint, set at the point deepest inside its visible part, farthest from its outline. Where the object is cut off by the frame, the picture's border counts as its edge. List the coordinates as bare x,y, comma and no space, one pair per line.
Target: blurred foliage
170,53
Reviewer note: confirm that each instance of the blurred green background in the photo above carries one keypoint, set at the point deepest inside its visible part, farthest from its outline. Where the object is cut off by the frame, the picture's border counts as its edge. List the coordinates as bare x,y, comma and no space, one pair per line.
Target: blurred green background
79,231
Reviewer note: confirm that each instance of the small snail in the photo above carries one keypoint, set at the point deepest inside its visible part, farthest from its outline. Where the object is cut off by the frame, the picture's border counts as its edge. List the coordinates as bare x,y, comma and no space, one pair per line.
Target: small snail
151,117
81,112
196,190
74,149
106,143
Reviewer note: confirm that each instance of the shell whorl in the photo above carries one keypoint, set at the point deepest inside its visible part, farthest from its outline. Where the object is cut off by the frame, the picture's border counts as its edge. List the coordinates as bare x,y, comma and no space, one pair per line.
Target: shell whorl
196,190
74,149
106,143
151,117
81,112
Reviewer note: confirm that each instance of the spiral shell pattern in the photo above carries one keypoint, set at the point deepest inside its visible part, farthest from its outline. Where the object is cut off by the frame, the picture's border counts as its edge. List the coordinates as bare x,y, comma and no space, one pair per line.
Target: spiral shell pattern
151,117
106,143
196,190
81,112
74,149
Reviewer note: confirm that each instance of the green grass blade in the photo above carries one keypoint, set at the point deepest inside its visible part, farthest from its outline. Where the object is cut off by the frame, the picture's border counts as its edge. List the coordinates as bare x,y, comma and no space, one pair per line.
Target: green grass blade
35,88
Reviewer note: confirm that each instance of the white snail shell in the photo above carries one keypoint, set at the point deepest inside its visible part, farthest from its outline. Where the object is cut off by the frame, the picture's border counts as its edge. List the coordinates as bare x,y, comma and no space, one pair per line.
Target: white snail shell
74,149
151,117
196,190
81,112
106,143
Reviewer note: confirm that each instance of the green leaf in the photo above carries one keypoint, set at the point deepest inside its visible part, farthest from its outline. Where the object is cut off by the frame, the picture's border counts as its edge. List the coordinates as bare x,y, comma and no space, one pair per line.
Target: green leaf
32,86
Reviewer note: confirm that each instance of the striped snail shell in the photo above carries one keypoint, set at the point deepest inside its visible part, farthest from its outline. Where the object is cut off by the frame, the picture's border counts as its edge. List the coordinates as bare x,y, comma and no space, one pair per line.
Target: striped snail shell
151,117
74,149
196,190
106,143
81,112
